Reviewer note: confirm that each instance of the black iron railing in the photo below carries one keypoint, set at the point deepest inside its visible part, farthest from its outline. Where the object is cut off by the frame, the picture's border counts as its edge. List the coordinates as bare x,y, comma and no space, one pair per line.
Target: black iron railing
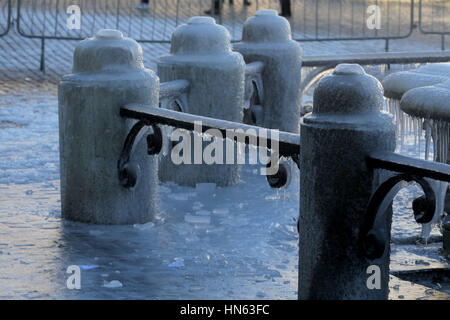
373,240
406,169
288,144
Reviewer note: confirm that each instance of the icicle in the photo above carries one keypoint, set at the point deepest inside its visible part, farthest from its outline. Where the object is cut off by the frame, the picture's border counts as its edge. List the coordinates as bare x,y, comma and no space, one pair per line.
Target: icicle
428,133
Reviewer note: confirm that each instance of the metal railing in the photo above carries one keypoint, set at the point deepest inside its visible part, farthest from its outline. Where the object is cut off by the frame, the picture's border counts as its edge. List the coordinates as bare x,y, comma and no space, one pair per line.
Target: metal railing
373,241
5,17
438,22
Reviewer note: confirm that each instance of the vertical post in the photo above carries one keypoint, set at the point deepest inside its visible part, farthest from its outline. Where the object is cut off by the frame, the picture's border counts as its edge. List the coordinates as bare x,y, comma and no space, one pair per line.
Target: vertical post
267,38
108,73
346,125
446,236
42,61
201,53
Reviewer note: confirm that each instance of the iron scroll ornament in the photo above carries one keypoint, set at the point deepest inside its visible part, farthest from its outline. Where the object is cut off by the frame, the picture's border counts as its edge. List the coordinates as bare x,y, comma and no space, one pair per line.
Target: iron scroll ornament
128,171
373,239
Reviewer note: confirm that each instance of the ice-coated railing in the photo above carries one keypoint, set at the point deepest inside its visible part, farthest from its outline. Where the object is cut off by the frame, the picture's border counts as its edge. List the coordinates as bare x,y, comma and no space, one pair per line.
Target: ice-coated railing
363,125
111,139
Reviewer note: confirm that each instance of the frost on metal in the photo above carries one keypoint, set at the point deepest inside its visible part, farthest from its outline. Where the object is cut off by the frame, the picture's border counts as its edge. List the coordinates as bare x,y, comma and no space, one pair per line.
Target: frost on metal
430,106
345,126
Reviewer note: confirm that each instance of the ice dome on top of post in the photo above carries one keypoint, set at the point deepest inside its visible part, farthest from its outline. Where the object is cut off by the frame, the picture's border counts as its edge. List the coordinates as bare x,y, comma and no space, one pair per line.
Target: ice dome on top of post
107,51
200,35
266,25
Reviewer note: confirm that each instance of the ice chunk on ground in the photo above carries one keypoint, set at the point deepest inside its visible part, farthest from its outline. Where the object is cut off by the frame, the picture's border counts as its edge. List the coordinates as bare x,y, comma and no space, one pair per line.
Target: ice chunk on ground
178,263
112,284
221,211
197,219
203,213
145,226
89,266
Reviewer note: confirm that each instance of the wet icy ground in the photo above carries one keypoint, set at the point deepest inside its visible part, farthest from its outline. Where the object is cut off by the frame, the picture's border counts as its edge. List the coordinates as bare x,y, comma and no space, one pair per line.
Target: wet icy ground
205,243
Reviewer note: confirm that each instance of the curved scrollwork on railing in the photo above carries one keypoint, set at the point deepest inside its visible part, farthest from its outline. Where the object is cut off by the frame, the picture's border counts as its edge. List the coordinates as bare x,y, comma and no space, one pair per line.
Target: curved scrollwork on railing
173,95
373,239
254,92
288,144
128,171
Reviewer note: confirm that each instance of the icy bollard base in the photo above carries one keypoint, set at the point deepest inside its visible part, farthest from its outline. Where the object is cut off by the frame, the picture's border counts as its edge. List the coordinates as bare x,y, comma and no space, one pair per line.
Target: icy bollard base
336,185
201,53
107,73
446,236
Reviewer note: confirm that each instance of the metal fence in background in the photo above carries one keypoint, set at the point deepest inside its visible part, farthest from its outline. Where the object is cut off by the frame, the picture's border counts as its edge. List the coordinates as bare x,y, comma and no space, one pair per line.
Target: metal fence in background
311,20
5,17
434,18
48,19
347,20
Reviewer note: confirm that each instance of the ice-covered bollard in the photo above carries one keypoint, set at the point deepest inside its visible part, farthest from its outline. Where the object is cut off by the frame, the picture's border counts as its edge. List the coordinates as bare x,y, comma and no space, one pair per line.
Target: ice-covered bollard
267,37
108,73
397,84
346,125
446,236
201,53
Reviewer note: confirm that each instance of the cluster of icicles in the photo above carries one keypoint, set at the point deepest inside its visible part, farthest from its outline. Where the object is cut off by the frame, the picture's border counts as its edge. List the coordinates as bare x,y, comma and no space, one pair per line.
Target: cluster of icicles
434,130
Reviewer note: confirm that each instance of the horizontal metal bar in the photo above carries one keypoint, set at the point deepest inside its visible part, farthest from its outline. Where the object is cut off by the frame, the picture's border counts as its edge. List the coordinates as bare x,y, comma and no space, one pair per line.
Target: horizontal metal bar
289,143
173,88
254,68
394,162
377,58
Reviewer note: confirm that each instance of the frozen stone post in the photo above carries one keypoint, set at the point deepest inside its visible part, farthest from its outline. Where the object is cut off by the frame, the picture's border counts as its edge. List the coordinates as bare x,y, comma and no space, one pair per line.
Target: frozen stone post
446,236
346,125
201,53
267,37
108,72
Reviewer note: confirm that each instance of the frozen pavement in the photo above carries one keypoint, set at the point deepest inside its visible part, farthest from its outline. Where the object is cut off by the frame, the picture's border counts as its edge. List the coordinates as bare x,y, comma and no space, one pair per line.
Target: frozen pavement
238,242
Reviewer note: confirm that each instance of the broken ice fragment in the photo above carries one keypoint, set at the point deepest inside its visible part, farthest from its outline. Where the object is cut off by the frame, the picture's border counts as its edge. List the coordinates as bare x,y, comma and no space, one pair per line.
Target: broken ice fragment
178,263
89,266
112,284
197,219
145,226
221,211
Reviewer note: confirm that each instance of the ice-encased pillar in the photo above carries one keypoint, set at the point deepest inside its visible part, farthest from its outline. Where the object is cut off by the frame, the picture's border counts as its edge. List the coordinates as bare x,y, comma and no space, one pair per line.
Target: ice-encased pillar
201,53
267,37
346,126
108,73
